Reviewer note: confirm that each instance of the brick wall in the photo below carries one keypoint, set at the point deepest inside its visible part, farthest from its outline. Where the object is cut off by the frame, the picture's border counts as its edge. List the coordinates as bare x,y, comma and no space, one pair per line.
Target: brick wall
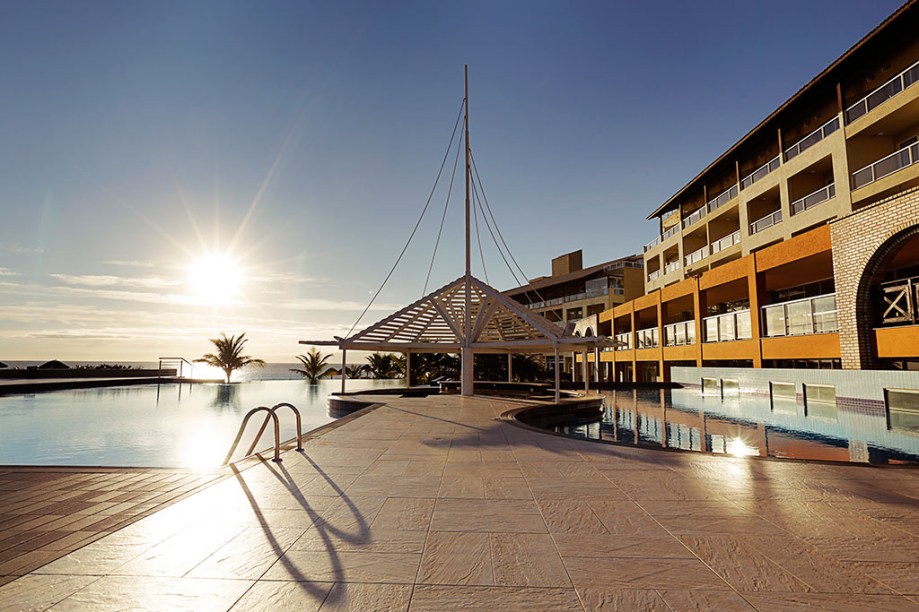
862,244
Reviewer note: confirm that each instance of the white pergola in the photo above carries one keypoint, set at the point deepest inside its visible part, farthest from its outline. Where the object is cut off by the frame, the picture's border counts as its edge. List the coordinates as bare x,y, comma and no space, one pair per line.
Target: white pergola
466,316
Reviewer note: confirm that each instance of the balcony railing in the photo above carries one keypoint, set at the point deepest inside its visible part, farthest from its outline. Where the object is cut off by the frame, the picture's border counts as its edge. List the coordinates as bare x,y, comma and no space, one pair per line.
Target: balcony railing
770,166
694,217
653,275
667,234
723,198
726,242
766,222
811,200
624,341
813,138
883,93
901,301
647,338
727,327
679,334
816,315
673,266
897,160
697,255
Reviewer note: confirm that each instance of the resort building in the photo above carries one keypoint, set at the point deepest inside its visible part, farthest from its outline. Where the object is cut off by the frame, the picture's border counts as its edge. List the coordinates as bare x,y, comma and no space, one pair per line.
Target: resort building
798,247
574,292
577,295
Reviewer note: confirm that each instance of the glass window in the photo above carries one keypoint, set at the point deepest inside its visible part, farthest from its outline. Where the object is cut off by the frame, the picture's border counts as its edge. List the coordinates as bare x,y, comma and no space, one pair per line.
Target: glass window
711,329
710,386
799,318
774,320
814,394
902,409
726,328
825,314
730,386
744,329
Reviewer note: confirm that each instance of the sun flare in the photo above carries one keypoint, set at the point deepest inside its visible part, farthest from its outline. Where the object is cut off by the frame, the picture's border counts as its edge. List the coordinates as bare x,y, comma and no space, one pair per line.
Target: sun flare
215,278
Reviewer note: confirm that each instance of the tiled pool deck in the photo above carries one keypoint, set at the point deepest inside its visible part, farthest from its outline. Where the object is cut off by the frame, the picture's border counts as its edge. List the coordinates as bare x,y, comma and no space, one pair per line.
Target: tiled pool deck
435,504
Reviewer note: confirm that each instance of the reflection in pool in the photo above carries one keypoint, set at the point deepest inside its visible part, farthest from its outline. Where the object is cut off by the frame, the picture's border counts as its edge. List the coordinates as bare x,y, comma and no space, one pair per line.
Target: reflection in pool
190,426
748,425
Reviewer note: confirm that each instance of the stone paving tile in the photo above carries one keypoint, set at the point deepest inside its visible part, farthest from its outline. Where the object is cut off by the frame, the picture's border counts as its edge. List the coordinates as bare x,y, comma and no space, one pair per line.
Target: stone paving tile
456,558
435,504
446,598
271,596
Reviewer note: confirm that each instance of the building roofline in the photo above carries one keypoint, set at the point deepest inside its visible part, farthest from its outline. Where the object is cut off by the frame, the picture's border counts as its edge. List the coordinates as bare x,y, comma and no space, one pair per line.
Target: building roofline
823,76
542,282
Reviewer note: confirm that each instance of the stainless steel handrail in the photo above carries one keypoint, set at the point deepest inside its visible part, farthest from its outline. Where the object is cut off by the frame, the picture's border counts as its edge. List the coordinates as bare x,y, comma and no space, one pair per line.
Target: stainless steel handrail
271,414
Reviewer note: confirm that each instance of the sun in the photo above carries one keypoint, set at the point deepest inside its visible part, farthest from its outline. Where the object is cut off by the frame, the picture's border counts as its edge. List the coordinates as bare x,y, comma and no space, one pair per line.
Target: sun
215,278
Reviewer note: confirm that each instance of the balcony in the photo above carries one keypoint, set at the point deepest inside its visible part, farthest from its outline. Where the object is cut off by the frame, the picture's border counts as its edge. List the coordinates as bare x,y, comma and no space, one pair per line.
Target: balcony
770,166
694,217
811,200
766,222
652,276
811,139
673,266
647,338
725,243
723,198
883,93
624,341
897,160
697,255
680,334
901,302
667,234
727,327
808,316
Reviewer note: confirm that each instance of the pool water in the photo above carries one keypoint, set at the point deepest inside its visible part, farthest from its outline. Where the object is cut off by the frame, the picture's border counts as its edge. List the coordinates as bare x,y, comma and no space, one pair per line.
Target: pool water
748,425
170,425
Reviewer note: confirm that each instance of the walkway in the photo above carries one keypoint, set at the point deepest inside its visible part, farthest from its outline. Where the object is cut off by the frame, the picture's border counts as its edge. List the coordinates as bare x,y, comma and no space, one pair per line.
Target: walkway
434,504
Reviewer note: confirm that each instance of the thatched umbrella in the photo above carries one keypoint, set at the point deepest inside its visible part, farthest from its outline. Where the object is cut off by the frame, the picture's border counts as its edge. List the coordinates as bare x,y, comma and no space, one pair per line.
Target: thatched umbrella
54,364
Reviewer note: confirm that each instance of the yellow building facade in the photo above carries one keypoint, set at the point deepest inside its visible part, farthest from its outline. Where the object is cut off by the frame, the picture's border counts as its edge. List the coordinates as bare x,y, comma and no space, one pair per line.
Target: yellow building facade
799,246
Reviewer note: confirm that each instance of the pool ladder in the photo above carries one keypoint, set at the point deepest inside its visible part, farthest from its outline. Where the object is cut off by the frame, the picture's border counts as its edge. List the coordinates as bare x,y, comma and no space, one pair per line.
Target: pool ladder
277,431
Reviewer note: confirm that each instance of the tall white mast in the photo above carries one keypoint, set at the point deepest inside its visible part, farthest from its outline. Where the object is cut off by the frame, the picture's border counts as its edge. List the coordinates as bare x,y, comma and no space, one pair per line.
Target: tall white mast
466,381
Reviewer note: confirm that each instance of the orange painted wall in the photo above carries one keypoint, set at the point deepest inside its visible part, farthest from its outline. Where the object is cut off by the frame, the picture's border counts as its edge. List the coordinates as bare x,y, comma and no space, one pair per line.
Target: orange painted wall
820,346
799,247
895,342
741,349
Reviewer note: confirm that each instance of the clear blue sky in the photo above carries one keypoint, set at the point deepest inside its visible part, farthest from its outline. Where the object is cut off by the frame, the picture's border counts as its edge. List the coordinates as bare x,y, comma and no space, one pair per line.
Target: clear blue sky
302,139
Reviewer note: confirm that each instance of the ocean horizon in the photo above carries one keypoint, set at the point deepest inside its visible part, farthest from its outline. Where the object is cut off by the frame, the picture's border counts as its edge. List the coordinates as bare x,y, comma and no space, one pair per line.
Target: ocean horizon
271,371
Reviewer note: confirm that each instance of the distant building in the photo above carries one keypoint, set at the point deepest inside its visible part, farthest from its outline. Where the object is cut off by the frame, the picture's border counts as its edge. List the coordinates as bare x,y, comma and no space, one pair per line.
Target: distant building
798,247
574,292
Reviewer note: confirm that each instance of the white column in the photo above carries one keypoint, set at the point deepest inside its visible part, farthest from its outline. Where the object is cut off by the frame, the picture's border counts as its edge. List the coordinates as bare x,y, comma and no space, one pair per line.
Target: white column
408,370
558,375
510,367
586,374
344,368
597,365
466,378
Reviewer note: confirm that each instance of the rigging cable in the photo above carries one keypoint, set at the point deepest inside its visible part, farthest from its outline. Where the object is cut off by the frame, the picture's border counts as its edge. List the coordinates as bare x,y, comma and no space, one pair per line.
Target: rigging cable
440,230
478,236
418,223
497,229
478,201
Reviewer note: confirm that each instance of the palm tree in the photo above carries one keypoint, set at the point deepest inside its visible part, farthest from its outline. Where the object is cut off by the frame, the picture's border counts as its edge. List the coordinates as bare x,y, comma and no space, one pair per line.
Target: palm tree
357,371
314,364
229,357
383,365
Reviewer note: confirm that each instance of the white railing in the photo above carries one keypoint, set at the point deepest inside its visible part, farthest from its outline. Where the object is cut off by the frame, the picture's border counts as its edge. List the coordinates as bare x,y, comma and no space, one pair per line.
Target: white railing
646,338
897,160
679,334
723,198
726,242
727,327
694,217
654,275
766,222
667,234
883,93
809,201
816,315
770,166
673,266
624,341
697,255
813,138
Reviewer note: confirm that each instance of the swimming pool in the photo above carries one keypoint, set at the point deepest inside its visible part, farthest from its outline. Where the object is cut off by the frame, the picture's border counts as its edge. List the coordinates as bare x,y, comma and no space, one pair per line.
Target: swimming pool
172,425
748,424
